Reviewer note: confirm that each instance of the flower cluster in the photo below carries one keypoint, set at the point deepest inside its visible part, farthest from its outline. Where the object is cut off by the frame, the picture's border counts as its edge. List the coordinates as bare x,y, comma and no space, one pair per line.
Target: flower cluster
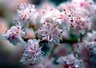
76,16
50,14
26,12
50,32
52,23
90,41
14,34
33,52
71,61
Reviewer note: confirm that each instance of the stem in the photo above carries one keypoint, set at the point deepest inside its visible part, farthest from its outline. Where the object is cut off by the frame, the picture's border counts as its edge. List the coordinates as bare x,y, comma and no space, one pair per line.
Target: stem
52,51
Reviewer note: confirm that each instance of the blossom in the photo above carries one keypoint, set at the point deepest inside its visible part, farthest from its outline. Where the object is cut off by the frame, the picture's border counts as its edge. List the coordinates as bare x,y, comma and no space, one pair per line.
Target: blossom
49,14
86,4
26,14
32,53
88,43
26,11
76,17
14,34
50,32
90,40
71,61
90,36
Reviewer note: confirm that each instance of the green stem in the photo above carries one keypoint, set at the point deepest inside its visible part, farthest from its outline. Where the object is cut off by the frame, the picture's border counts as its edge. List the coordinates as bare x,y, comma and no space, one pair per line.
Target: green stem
52,51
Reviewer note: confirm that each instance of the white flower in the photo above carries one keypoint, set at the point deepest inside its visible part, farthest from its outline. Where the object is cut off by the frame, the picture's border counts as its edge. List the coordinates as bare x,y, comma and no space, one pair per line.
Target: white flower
50,32
33,52
26,12
50,14
91,36
76,17
71,60
90,41
14,34
86,4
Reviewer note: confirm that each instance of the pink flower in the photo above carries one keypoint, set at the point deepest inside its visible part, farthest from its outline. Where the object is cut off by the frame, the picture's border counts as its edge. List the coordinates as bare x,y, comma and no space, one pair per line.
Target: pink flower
26,12
70,61
14,34
49,14
50,32
76,17
33,53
